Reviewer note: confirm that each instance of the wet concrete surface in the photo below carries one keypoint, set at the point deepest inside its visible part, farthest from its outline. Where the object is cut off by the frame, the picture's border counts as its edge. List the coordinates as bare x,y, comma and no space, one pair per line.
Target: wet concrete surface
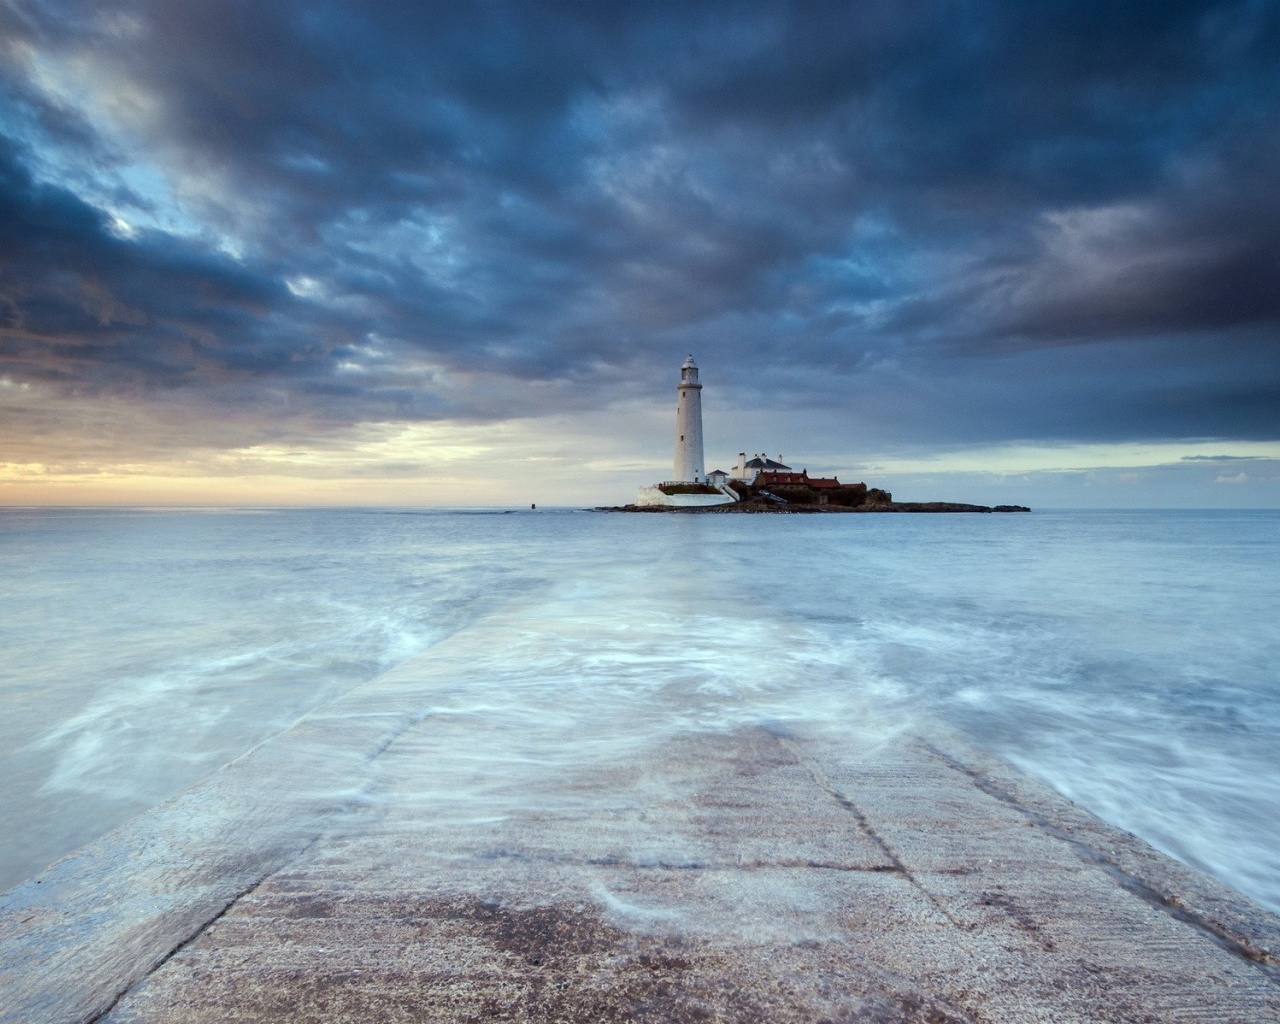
748,875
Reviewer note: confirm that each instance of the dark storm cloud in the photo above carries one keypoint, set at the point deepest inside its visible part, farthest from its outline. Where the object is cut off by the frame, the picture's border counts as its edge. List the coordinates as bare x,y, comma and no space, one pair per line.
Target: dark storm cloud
80,303
980,222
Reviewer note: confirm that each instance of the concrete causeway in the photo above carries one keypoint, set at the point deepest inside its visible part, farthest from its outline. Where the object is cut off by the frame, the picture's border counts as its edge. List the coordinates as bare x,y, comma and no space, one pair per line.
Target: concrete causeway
745,875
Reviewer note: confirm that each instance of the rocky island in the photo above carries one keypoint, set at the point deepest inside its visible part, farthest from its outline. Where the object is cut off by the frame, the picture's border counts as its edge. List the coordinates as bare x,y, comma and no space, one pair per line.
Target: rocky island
767,507
794,493
760,484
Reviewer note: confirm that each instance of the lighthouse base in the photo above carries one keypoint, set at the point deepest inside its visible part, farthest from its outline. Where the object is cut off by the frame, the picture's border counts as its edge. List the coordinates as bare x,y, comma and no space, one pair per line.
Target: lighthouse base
657,496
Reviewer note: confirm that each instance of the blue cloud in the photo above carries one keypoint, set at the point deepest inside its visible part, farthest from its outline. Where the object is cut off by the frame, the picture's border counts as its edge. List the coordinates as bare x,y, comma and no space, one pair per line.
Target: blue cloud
1054,221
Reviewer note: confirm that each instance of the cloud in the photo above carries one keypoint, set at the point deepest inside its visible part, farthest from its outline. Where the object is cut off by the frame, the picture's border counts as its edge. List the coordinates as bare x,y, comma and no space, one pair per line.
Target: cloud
1223,458
935,223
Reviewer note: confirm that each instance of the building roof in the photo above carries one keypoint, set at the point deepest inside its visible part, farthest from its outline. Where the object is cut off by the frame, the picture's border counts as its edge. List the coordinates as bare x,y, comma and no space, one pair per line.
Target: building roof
803,479
763,463
782,478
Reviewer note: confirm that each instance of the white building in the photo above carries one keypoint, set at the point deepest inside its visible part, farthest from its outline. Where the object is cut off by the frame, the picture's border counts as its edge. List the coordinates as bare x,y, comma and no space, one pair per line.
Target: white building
748,469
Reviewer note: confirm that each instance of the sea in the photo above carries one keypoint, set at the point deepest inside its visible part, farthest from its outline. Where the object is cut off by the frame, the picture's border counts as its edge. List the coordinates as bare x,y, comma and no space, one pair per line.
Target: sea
1129,659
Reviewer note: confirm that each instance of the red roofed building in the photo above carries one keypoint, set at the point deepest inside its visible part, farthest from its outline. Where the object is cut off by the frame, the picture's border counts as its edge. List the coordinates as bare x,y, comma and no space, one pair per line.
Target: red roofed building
781,479
795,486
801,479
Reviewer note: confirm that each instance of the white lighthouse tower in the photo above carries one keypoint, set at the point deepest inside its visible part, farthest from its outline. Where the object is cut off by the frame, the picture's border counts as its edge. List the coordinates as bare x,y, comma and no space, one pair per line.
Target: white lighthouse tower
689,465
688,485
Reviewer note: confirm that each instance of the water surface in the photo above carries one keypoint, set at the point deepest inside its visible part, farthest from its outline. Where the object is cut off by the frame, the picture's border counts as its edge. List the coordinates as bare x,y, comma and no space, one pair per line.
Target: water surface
1127,658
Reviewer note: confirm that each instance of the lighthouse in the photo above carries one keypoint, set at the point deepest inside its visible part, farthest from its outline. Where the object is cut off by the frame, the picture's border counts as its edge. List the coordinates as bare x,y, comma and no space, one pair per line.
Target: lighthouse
689,465
688,486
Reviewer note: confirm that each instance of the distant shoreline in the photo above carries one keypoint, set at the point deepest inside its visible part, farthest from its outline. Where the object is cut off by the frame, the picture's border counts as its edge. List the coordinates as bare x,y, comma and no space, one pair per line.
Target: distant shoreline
772,508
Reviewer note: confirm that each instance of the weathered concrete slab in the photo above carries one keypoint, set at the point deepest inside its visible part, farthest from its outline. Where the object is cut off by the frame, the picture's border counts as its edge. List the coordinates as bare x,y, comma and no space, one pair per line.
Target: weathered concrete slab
750,875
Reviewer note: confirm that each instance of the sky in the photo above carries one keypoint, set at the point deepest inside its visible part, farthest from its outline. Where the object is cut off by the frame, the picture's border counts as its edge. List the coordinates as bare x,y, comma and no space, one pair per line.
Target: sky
454,253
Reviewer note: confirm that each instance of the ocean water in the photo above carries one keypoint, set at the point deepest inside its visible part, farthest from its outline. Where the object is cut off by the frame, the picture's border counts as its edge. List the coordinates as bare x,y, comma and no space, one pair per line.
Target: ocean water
1129,659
